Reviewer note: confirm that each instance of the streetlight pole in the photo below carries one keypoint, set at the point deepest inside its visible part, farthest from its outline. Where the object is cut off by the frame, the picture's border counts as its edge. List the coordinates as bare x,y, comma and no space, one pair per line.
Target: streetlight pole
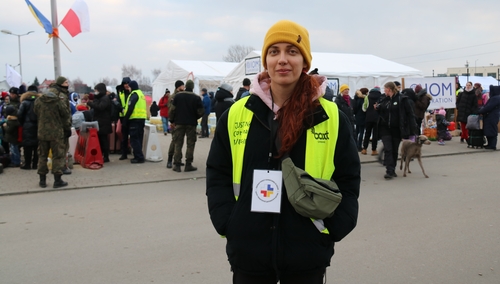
467,66
19,45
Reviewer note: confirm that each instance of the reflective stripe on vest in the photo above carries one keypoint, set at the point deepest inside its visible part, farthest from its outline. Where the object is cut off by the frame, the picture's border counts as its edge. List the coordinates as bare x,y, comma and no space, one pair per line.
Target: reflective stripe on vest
123,103
321,141
140,111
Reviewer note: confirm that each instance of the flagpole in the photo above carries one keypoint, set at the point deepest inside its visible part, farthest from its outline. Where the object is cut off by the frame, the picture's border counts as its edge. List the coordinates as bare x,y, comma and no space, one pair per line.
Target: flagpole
55,40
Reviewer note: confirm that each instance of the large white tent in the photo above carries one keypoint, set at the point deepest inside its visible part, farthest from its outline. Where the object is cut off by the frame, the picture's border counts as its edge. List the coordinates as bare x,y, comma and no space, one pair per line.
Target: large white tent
484,81
356,70
205,74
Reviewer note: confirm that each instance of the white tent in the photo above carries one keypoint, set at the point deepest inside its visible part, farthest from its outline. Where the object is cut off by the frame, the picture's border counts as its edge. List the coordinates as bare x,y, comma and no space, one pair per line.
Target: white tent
356,70
205,74
484,81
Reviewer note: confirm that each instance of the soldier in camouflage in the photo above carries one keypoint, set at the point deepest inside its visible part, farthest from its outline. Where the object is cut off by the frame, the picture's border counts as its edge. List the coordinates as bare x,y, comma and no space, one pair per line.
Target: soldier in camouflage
60,89
54,126
179,87
187,109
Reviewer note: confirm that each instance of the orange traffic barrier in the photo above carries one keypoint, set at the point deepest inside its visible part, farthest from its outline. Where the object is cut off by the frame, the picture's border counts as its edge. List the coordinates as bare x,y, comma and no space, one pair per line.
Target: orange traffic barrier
93,155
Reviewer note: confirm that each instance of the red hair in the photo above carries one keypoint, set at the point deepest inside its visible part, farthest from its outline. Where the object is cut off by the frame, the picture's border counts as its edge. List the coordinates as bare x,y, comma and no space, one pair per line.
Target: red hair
297,110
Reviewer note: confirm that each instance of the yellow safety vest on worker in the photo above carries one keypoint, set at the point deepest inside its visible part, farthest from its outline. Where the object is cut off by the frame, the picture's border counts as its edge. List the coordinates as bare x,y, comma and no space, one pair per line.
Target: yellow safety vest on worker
321,142
123,103
140,109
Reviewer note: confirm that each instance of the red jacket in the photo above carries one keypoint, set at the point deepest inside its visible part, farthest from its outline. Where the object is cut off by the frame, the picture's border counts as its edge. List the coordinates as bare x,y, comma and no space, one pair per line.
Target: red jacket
163,105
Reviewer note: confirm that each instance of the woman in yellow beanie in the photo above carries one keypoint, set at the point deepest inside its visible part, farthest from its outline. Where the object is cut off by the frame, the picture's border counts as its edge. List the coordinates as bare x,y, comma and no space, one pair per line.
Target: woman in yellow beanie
285,116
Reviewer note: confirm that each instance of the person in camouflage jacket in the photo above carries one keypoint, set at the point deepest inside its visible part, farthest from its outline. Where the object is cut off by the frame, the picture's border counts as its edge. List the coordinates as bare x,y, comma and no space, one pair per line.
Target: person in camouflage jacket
54,127
60,89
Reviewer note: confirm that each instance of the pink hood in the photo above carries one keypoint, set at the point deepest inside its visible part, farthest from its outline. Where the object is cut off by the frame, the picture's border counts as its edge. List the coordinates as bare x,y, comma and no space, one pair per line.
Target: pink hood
260,88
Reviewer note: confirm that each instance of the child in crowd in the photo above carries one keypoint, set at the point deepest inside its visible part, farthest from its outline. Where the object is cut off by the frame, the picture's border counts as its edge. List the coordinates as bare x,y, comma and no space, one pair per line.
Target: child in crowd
82,114
442,127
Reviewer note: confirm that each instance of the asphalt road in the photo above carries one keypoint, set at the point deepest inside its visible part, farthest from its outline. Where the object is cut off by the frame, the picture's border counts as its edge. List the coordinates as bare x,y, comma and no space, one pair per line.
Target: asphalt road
444,229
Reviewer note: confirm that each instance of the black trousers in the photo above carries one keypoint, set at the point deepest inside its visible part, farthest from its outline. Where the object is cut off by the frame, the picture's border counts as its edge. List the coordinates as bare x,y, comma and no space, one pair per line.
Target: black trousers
31,156
104,144
419,125
124,142
391,148
371,127
136,131
204,125
316,277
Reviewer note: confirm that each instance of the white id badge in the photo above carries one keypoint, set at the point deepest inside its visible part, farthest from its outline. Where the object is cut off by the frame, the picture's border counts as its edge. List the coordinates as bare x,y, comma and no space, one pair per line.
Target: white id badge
266,191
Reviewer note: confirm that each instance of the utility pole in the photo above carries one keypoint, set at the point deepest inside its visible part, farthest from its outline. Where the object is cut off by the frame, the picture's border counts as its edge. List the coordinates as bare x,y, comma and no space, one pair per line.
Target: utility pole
55,40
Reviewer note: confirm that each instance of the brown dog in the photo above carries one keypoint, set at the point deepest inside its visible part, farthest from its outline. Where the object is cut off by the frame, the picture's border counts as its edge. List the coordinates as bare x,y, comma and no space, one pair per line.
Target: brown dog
411,150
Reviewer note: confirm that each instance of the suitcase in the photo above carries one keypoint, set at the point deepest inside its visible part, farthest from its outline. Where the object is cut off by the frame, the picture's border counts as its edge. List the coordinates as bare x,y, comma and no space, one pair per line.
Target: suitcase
476,138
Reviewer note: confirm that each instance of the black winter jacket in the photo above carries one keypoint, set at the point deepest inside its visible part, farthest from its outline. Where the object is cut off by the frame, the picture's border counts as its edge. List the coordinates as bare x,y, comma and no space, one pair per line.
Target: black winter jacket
341,103
28,119
401,107
374,96
359,114
223,102
186,109
102,113
258,242
491,113
466,105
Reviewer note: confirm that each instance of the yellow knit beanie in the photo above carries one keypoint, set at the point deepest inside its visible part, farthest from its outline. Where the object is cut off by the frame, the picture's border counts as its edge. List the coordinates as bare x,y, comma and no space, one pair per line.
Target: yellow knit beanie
343,87
288,32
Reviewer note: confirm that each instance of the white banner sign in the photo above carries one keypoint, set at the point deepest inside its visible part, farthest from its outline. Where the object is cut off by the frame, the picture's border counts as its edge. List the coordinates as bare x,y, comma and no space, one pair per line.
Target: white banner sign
442,90
12,77
252,65
333,83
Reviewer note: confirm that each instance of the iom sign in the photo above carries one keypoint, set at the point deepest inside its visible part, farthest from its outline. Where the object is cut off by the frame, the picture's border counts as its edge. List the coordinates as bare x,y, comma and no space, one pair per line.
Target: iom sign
252,65
442,90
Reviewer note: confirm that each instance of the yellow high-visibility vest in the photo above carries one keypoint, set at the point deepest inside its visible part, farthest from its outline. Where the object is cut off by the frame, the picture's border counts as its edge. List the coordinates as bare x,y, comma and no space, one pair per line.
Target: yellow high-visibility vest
140,109
321,141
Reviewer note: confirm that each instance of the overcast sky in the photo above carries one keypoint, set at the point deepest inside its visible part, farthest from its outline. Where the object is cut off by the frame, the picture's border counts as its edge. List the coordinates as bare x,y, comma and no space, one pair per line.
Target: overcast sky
148,33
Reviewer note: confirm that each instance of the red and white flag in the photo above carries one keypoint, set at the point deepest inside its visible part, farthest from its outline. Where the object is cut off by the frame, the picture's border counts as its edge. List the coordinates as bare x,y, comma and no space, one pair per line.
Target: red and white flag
77,19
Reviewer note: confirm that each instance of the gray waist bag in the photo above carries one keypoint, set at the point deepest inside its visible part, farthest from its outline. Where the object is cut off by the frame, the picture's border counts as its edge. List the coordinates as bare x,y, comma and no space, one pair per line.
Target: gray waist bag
310,197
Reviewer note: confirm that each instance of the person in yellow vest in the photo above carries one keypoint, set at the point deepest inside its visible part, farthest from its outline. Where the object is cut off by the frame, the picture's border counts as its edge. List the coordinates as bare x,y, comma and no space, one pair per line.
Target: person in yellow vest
135,119
284,116
123,94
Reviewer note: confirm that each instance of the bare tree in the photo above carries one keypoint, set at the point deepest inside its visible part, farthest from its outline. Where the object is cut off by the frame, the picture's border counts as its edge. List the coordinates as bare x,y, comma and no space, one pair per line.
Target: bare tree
156,73
131,71
145,84
107,81
237,53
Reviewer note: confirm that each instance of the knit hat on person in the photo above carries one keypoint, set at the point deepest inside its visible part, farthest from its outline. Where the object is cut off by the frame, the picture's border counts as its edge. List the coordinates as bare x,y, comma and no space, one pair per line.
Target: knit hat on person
441,111
109,89
397,83
226,87
178,83
133,85
343,87
10,110
14,90
167,91
33,88
126,80
60,80
286,31
81,107
189,85
101,88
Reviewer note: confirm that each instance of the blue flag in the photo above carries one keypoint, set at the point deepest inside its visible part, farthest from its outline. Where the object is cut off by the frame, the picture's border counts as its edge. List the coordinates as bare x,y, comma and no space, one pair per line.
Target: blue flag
40,18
